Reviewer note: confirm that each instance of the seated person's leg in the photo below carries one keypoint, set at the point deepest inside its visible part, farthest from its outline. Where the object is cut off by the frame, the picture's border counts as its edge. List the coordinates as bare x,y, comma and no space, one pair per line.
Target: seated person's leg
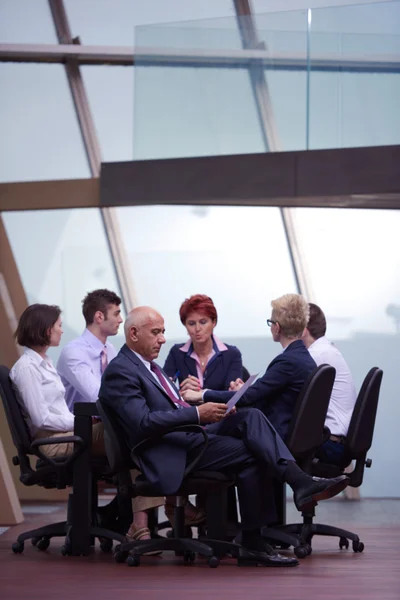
55,449
333,453
193,514
141,505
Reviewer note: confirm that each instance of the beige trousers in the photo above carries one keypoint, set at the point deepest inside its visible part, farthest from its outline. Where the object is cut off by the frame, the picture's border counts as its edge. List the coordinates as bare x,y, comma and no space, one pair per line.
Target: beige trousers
54,450
140,503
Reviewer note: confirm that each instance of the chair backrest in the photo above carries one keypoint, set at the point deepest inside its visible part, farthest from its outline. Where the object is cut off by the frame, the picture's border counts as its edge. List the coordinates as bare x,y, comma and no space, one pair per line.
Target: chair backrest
361,428
306,431
16,422
117,451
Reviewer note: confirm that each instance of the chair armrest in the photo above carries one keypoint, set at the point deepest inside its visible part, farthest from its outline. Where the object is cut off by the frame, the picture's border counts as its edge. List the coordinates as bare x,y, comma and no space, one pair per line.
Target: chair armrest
64,439
179,428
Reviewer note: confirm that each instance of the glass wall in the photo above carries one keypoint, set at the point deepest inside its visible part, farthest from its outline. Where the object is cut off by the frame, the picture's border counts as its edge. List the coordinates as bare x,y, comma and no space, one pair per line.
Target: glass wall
332,75
353,264
24,21
333,80
228,253
61,255
39,131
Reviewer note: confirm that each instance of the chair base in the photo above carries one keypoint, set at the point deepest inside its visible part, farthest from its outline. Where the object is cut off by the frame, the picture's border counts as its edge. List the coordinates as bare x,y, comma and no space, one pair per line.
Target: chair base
306,531
212,550
42,535
299,535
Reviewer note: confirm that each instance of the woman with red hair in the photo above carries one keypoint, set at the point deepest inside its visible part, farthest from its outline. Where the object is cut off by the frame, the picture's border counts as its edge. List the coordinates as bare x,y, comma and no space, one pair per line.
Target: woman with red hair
203,362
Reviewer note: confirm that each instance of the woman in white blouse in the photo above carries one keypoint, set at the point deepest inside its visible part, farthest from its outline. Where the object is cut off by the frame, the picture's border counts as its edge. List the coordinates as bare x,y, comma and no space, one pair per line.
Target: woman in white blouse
38,386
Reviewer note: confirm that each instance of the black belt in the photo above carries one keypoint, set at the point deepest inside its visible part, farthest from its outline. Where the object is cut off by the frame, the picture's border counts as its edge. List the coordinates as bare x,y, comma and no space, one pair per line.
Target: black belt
341,439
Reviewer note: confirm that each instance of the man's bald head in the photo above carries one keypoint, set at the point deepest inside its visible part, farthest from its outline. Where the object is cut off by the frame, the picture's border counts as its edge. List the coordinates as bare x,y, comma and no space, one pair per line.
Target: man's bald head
144,331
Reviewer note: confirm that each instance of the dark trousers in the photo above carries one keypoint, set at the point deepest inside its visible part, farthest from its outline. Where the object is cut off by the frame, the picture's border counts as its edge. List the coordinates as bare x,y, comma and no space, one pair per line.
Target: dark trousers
333,453
247,445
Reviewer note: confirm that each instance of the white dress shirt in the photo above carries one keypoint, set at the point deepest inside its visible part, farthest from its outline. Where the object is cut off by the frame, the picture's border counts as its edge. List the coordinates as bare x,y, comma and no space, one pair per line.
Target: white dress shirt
343,397
79,366
41,393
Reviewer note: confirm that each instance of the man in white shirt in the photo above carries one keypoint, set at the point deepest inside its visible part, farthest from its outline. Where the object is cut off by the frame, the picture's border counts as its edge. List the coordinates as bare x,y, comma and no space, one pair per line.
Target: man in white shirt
83,360
81,365
343,397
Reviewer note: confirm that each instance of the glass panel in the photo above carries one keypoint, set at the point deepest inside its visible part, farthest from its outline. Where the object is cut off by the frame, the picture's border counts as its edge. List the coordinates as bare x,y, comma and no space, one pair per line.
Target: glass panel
38,126
24,21
199,112
112,23
350,109
110,93
354,268
61,255
223,252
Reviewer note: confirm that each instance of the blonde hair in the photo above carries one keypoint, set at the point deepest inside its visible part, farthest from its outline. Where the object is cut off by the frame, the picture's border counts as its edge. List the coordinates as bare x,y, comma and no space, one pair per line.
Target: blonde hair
292,312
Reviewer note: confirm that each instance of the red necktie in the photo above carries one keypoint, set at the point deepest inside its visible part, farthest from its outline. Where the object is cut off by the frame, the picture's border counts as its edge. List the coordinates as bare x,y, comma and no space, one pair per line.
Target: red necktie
175,399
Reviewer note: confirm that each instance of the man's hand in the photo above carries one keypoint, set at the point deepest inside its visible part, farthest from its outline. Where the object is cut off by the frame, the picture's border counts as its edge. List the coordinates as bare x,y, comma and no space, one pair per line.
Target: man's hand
193,397
190,383
211,412
235,386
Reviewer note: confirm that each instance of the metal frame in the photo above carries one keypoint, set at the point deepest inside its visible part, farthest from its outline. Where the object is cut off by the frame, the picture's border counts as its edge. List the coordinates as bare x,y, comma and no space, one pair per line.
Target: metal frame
263,102
153,57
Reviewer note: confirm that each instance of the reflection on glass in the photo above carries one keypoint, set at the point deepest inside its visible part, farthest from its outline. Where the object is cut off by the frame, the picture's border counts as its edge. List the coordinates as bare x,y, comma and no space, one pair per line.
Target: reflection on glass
194,112
39,129
61,255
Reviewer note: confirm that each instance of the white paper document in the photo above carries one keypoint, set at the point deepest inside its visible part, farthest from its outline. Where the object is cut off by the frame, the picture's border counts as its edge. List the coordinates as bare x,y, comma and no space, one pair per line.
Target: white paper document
235,399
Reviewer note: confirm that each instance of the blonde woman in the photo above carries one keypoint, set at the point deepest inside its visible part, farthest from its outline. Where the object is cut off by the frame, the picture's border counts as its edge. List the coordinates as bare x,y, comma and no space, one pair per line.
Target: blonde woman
276,392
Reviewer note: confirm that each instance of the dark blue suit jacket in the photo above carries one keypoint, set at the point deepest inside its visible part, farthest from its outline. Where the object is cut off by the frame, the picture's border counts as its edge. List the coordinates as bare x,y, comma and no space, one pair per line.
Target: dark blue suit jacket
276,392
223,368
144,409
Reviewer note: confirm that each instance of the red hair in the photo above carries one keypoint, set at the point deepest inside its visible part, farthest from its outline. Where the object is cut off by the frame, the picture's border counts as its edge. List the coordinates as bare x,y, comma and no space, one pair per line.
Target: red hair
198,303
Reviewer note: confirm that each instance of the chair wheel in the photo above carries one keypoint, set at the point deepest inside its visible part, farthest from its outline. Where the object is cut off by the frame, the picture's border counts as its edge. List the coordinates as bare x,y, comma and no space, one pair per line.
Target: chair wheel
343,543
106,545
66,549
189,557
120,557
35,540
300,551
358,546
133,561
308,548
43,544
18,547
213,562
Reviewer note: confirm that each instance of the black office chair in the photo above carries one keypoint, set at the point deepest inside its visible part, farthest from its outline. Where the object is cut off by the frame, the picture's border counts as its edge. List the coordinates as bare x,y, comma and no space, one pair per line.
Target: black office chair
213,484
358,442
49,473
306,434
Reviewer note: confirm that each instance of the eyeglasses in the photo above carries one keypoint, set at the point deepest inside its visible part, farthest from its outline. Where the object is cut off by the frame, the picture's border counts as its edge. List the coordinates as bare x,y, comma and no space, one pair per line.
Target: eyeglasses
271,322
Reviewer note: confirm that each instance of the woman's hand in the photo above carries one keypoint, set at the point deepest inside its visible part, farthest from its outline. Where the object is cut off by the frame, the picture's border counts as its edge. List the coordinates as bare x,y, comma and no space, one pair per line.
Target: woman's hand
235,386
193,397
190,383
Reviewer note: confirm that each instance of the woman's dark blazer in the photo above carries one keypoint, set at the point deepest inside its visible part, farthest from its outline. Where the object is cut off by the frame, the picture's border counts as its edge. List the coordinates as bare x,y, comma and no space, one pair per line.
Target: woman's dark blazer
224,367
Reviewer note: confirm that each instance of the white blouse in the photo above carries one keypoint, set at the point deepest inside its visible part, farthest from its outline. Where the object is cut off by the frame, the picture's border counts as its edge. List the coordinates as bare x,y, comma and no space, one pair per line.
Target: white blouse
41,393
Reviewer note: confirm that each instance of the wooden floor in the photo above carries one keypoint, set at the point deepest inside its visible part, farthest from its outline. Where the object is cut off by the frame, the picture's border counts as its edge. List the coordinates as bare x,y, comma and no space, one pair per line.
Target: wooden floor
328,574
